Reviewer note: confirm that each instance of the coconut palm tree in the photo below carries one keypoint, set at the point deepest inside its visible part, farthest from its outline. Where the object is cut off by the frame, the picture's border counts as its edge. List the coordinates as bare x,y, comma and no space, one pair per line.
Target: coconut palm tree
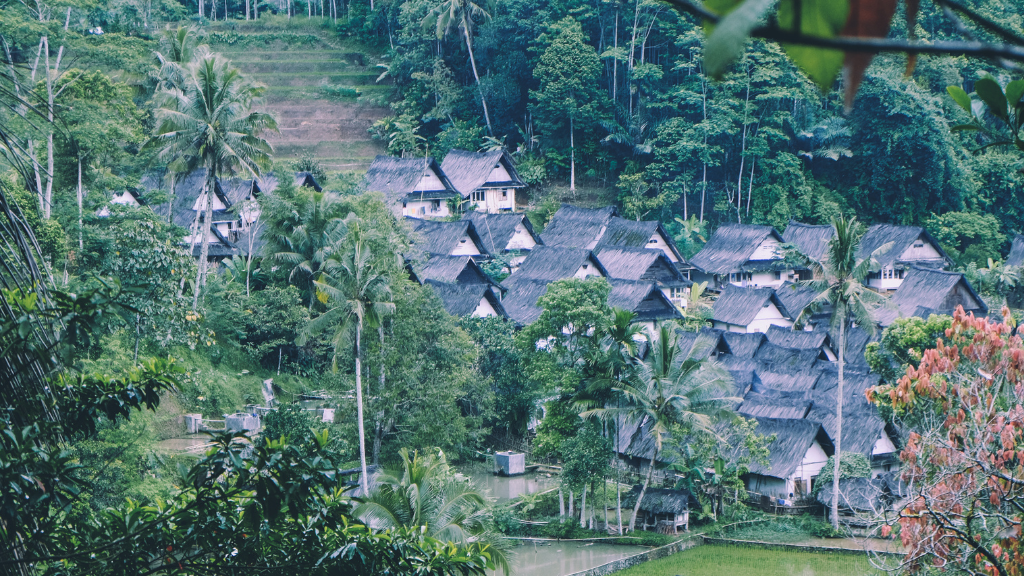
841,284
460,14
354,287
210,117
426,493
668,389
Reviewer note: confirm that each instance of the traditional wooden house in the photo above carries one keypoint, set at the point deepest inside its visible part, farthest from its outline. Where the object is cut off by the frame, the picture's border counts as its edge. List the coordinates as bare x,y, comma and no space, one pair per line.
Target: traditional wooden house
128,198
797,297
662,509
799,452
742,255
645,265
487,181
221,248
749,310
744,345
476,300
186,208
908,246
575,227
812,241
450,270
545,264
415,187
924,292
509,236
645,300
446,238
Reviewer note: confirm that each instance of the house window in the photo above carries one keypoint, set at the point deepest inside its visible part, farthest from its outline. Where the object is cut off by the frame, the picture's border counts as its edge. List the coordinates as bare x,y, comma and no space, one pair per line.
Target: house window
477,196
918,244
435,205
504,194
778,275
678,293
652,241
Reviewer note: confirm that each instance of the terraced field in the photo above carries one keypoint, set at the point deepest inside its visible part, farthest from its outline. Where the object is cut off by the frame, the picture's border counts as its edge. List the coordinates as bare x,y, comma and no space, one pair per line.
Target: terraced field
334,129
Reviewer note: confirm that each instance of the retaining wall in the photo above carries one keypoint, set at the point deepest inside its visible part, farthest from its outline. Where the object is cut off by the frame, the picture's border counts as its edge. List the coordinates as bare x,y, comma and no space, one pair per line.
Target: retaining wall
623,563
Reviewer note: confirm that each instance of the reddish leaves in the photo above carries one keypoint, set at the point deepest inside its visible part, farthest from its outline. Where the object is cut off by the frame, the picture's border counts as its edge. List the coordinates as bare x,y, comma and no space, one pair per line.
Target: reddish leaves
868,19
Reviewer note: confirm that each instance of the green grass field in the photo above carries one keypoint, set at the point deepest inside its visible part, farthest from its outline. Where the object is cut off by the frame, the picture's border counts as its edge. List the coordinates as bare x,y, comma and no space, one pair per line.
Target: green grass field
715,560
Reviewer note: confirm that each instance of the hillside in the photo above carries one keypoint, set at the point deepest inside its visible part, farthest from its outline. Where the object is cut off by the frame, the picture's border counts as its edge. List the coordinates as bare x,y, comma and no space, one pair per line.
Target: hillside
296,63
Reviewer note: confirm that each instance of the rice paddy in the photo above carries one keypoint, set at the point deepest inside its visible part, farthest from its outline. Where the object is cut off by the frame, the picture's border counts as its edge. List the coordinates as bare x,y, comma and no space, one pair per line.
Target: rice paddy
717,560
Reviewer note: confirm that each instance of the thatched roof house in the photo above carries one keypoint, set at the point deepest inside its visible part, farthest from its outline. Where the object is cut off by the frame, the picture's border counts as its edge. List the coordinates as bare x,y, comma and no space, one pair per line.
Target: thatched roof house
744,255
781,379
575,227
812,241
451,270
643,299
644,265
911,246
187,199
446,238
775,404
414,187
749,310
797,454
796,297
925,292
744,345
801,340
476,300
520,300
504,233
552,263
779,359
487,180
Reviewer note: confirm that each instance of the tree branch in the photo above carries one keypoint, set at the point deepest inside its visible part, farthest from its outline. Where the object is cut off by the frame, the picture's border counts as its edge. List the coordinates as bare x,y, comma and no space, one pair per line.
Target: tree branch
872,45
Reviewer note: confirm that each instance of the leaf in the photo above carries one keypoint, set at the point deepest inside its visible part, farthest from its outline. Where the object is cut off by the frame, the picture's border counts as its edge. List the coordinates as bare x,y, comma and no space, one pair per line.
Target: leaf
961,98
820,18
992,95
960,127
868,19
730,35
1014,91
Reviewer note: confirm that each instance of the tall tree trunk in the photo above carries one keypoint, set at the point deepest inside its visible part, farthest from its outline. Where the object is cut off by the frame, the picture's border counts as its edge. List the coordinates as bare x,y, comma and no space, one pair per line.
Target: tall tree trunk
572,503
839,428
138,335
204,231
480,89
81,245
561,503
640,498
750,184
572,154
378,429
618,502
743,152
615,60
583,508
359,411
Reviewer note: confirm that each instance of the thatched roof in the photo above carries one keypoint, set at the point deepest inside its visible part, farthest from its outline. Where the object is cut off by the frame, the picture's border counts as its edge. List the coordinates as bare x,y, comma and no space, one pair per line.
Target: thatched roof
637,234
307,180
397,178
463,299
731,246
744,345
796,297
802,381
640,264
925,292
799,339
793,438
573,227
497,230
1016,255
443,238
868,427
701,345
555,263
739,306
812,241
452,270
643,299
520,300
902,238
468,171
857,494
660,500
220,247
187,189
777,358
240,189
772,404
258,242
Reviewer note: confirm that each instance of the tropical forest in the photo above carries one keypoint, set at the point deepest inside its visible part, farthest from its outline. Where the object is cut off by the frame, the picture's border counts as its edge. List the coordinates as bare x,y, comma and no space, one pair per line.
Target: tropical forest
518,287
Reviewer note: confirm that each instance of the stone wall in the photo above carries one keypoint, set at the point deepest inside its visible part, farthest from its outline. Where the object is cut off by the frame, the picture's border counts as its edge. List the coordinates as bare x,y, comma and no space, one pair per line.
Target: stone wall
623,563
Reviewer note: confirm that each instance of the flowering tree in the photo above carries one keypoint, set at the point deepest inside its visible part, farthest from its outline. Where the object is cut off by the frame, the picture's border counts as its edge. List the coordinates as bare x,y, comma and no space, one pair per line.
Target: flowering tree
964,459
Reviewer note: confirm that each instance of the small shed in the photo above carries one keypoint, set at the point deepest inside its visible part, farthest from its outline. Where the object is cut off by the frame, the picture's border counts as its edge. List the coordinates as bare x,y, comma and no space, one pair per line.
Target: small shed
662,509
509,463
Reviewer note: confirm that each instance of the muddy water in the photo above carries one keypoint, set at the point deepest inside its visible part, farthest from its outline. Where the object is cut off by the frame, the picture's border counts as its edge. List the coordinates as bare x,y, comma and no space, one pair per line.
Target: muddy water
560,558
508,488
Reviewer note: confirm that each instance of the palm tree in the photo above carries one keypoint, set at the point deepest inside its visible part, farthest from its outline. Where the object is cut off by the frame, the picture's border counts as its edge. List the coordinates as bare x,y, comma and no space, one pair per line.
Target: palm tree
303,232
841,285
210,117
668,389
427,494
353,284
460,14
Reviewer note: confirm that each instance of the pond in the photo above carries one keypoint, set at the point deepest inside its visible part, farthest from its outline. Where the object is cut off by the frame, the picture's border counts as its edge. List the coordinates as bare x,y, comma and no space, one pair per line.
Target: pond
508,488
561,558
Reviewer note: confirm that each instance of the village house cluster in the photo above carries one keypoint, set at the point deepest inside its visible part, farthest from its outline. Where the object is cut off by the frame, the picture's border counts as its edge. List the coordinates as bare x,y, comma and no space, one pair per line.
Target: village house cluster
784,366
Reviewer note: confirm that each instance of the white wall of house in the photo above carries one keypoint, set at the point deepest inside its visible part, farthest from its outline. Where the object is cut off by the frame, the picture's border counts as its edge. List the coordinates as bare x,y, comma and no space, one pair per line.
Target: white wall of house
920,249
676,296
125,199
587,269
882,446
768,249
768,316
769,485
521,239
658,242
810,467
500,200
888,278
761,279
200,204
465,247
499,174
429,181
436,208
484,309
